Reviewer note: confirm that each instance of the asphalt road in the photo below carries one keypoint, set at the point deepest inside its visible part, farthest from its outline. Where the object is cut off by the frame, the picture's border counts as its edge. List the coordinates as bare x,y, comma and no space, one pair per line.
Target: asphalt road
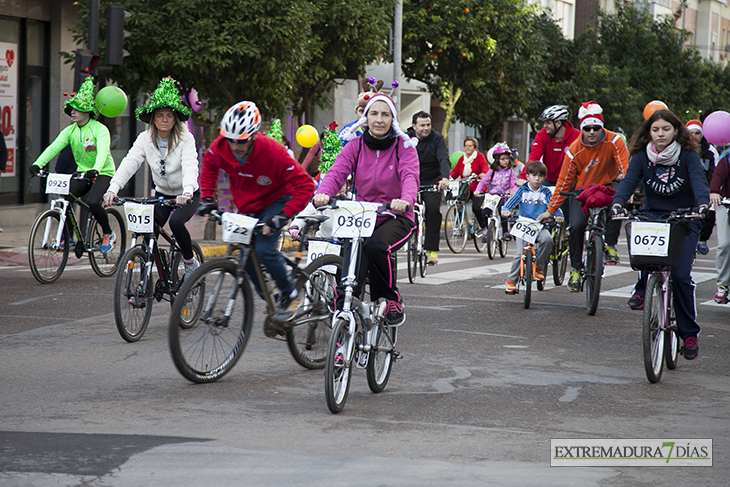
483,386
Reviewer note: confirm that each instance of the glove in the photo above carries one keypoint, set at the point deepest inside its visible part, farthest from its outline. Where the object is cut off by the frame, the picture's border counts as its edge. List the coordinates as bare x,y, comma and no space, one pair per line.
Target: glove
703,210
34,170
277,222
294,232
206,205
91,175
618,210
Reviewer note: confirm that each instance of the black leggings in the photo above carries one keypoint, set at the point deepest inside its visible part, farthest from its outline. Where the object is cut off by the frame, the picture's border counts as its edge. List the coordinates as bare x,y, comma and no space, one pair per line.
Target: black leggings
92,195
178,220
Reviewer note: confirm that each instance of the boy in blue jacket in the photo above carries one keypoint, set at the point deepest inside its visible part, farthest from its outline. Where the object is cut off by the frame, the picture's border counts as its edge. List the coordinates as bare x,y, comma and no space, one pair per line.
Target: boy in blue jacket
531,200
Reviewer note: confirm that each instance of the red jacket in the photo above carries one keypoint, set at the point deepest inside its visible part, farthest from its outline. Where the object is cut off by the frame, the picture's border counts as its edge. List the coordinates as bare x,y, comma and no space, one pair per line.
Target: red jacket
550,151
268,174
478,166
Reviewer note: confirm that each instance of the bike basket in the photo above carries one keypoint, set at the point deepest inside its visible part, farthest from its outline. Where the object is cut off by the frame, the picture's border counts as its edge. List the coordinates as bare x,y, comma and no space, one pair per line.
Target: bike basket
649,248
464,192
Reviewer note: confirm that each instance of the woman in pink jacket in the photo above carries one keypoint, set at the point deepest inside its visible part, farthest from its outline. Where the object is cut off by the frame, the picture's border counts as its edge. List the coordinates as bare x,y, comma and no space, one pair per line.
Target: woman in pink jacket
385,165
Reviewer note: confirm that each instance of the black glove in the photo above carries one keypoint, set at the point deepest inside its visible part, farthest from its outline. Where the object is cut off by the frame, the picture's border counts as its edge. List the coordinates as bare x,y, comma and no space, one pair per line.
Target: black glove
277,222
206,205
703,210
618,211
91,175
34,170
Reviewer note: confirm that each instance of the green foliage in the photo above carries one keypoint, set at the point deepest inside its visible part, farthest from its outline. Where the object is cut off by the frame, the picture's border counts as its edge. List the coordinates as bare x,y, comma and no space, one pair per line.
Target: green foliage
331,146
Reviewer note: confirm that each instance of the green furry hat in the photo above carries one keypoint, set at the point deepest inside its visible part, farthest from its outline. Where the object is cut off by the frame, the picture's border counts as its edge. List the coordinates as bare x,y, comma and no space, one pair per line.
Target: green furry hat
166,95
84,100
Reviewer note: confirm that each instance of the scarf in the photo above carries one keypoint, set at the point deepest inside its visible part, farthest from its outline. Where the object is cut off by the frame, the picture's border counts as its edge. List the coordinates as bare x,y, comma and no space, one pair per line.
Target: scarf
466,172
668,157
378,143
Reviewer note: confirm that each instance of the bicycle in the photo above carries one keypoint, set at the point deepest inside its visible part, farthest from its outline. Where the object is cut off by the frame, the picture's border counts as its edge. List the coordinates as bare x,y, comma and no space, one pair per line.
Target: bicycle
654,248
457,226
415,247
593,254
50,236
134,292
560,252
527,230
360,333
208,347
496,240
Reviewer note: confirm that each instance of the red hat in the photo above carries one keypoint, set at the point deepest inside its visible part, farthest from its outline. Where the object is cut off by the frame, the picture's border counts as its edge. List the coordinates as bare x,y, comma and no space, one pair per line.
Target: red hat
589,113
694,124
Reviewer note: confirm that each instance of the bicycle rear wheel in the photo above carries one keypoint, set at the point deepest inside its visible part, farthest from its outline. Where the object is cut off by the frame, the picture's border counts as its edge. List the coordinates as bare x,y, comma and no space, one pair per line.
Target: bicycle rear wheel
455,229
412,256
132,296
491,239
593,273
45,256
652,334
671,335
338,366
195,299
309,335
105,263
380,361
527,277
209,347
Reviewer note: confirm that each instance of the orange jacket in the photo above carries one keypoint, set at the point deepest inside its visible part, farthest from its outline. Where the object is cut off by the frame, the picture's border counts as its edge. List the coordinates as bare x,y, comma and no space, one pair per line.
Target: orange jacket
583,165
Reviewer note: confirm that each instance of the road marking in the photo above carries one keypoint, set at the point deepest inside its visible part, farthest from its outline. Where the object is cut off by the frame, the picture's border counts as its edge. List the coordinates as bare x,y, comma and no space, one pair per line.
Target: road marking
484,333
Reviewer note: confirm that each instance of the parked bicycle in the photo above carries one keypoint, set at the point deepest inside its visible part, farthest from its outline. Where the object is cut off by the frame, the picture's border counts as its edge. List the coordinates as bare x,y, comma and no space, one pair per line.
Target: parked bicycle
135,289
496,239
50,235
415,247
561,252
208,347
457,226
654,248
360,335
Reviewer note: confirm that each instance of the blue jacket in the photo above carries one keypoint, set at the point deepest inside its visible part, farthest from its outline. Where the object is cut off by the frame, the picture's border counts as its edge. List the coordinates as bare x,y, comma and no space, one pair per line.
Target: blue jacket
530,203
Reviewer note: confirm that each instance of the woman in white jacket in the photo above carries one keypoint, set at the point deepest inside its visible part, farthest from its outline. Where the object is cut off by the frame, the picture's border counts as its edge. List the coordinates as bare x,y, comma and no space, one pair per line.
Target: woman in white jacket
168,147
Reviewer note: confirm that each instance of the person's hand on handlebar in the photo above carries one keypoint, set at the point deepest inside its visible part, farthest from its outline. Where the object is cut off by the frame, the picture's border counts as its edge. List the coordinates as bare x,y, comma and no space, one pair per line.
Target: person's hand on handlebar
703,210
544,217
34,170
505,213
183,199
399,205
618,210
443,184
715,199
109,198
320,200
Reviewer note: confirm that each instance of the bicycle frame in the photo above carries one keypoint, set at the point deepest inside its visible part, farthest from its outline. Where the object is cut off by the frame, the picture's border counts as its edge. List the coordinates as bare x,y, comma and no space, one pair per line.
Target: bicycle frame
62,205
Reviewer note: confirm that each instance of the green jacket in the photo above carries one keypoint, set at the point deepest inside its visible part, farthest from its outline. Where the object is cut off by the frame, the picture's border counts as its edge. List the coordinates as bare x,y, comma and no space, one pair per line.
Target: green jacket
90,145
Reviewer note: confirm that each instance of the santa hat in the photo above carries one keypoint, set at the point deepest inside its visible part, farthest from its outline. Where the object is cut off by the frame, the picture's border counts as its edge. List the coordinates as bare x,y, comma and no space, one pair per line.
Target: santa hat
589,113
350,132
695,124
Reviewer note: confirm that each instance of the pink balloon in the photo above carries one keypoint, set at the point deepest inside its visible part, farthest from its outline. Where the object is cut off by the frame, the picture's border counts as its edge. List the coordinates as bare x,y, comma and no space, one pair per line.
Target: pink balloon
194,101
716,128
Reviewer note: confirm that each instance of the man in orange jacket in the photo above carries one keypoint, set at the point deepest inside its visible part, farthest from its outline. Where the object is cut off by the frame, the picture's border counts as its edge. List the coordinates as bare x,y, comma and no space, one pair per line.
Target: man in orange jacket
598,156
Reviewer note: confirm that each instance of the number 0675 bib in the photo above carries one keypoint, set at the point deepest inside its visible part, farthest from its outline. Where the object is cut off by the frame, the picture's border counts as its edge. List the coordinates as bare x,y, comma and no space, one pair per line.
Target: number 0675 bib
649,238
353,219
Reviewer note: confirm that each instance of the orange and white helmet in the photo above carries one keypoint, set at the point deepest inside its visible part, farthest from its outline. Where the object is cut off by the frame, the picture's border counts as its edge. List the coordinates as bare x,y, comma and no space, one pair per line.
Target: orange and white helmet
241,121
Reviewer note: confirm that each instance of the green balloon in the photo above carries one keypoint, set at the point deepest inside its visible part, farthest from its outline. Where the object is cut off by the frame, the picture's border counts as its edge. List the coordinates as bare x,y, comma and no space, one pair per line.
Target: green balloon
454,158
111,101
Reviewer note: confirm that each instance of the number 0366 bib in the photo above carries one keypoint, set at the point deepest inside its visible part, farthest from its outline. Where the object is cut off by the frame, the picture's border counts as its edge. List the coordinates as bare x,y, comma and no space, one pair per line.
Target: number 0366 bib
353,219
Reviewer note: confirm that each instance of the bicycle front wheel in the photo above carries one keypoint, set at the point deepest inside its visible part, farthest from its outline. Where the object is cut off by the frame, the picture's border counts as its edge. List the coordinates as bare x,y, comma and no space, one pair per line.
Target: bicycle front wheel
338,366
491,239
480,244
412,257
671,335
455,229
380,361
652,333
560,256
527,277
194,305
309,334
46,257
594,273
207,348
105,263
132,296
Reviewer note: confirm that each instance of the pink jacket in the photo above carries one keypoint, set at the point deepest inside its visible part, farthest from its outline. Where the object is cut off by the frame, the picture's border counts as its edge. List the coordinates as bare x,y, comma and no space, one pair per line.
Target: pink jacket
500,182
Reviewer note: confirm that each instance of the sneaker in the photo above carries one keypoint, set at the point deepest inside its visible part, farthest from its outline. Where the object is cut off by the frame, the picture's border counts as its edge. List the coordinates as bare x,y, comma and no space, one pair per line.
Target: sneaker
190,266
510,287
575,281
287,307
690,348
539,275
394,314
107,242
721,295
636,302
432,258
612,257
702,247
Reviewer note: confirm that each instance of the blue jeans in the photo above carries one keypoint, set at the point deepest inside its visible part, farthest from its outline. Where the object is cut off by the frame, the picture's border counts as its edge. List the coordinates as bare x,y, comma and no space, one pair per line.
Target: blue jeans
270,257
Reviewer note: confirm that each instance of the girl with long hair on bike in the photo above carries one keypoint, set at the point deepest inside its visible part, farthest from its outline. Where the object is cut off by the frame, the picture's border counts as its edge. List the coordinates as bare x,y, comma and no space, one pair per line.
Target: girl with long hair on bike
168,148
664,157
386,170
500,179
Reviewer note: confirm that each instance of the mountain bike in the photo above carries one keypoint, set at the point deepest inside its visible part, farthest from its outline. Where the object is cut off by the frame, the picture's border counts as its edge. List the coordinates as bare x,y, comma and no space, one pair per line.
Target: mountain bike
208,347
496,240
50,235
360,335
560,253
654,248
415,247
135,289
457,226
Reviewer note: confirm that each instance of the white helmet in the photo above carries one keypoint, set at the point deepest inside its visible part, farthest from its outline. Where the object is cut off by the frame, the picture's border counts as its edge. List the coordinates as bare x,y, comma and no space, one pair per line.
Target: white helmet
556,113
241,121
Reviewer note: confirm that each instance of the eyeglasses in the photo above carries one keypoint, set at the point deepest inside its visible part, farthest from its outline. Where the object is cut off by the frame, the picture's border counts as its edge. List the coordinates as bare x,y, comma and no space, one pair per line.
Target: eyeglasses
162,163
592,128
237,141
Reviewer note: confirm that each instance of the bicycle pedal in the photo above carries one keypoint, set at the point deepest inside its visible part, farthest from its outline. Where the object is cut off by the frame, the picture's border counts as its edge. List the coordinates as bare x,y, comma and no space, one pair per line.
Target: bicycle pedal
362,360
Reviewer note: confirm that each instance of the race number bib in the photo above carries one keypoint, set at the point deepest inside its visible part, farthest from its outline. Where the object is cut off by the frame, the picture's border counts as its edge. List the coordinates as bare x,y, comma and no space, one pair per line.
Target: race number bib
318,248
491,201
58,183
237,228
454,186
649,238
140,218
526,229
353,219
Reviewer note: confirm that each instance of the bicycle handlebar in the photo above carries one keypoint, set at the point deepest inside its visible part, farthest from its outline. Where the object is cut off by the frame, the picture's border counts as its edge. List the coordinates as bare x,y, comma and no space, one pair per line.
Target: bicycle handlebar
678,214
43,173
171,202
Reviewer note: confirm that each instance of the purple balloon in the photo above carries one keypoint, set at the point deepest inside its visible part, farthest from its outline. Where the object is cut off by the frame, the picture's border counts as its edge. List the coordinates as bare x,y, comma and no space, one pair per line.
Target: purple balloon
194,101
716,128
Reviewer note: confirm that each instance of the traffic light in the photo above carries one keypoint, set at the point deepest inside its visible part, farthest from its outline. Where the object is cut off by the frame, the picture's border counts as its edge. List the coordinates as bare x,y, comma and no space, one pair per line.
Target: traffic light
85,65
115,34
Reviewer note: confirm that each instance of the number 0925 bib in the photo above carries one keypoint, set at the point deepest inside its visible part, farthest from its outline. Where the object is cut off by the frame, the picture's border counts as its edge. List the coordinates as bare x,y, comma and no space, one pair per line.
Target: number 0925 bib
58,183
353,219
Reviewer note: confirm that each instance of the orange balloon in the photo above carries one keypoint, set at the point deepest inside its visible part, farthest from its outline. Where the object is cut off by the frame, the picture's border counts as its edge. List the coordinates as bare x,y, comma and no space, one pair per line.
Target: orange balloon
652,107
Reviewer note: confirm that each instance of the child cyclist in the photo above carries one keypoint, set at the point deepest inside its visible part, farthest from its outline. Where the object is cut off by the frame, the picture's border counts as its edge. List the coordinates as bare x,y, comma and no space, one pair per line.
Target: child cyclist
531,200
500,179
